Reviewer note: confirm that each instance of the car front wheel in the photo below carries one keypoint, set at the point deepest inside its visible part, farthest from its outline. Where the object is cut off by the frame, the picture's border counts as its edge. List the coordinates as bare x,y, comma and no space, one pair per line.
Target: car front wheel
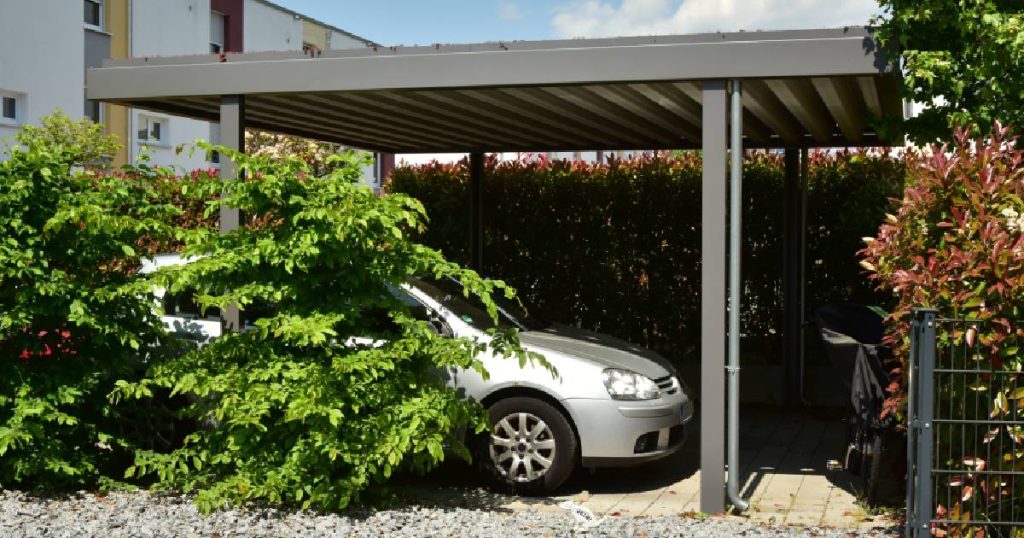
532,447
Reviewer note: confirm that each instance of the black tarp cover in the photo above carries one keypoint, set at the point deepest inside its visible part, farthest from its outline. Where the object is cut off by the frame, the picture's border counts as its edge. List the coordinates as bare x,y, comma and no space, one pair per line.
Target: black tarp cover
852,335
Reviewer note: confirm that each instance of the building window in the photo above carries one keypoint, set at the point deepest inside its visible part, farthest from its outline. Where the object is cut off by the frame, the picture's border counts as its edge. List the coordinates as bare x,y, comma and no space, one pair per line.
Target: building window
94,13
9,105
217,31
152,130
10,108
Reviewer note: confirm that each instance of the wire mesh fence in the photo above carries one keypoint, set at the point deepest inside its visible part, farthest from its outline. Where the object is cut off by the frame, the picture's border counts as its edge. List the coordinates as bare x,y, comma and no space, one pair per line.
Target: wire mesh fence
966,428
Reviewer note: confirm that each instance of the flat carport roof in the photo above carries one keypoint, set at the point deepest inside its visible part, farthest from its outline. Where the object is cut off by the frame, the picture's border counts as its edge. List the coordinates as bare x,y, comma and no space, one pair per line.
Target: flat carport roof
803,88
800,89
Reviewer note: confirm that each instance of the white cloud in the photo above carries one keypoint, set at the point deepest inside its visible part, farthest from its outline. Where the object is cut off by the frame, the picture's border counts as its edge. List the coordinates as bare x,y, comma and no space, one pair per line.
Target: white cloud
599,18
509,11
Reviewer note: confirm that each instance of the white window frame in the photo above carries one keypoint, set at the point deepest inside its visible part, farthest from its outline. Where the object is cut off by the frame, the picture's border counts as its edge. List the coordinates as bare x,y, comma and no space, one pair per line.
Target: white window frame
165,132
99,26
19,107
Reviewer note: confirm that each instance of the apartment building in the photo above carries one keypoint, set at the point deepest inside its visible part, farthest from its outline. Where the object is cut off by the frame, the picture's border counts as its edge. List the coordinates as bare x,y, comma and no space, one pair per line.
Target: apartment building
46,46
42,58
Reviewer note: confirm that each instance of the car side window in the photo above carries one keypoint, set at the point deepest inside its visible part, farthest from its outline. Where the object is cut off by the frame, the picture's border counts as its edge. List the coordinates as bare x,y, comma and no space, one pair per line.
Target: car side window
422,313
449,294
415,307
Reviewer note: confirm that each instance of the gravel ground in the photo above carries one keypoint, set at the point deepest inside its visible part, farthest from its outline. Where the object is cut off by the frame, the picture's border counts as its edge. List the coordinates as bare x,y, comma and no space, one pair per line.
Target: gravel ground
147,515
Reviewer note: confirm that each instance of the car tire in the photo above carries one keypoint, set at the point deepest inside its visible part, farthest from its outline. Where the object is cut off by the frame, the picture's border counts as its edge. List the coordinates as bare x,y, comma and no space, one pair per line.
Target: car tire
532,448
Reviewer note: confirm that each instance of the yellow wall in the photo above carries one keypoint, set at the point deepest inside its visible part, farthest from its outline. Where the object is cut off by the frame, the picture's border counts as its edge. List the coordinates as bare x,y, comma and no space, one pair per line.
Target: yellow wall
315,34
117,116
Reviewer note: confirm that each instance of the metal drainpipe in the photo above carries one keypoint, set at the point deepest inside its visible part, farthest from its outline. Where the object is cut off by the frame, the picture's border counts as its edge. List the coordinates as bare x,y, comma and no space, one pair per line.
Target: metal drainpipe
130,112
735,293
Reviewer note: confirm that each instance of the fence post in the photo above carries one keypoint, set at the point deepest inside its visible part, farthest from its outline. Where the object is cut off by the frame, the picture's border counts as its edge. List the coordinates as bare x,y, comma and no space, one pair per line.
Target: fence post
911,376
925,319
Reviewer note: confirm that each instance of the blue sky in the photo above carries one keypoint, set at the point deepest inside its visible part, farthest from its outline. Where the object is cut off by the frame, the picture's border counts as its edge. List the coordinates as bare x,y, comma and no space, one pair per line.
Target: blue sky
423,22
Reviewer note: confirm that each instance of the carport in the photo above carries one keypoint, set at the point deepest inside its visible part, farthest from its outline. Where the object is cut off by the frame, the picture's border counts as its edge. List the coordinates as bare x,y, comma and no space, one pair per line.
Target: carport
794,90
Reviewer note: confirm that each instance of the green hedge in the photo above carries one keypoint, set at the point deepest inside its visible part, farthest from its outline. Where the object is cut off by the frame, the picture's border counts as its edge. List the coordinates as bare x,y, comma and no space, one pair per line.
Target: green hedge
616,247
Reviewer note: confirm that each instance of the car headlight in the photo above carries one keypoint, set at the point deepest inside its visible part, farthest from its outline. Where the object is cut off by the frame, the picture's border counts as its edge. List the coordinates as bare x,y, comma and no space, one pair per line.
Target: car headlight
626,385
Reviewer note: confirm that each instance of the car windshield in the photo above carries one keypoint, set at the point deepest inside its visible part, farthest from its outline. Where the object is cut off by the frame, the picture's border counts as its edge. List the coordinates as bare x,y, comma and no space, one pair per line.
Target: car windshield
448,292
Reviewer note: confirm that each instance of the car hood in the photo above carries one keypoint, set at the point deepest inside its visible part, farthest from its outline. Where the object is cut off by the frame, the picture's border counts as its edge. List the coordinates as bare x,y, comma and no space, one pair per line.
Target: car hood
598,348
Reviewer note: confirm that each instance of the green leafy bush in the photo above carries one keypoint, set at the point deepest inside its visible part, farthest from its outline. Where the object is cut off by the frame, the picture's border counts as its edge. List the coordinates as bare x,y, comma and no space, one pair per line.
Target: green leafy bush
962,57
297,414
956,243
70,324
616,247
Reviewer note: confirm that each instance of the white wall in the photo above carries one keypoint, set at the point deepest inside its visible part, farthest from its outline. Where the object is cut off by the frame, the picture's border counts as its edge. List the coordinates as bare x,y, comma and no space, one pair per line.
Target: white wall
170,28
269,29
42,57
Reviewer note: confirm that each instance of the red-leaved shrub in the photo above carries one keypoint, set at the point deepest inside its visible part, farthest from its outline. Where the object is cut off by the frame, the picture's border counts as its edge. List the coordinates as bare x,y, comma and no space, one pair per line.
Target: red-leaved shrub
956,244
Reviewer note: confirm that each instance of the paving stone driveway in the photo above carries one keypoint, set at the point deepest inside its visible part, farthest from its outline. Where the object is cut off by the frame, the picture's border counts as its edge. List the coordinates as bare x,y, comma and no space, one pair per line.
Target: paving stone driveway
785,477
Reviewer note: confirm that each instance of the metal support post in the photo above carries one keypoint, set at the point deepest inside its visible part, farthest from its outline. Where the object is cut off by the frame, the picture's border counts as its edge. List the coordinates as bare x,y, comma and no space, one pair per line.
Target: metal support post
712,302
232,132
476,220
802,264
793,281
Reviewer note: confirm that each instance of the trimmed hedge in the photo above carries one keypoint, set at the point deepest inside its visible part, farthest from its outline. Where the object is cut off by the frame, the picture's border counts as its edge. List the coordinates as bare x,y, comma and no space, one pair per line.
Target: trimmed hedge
616,247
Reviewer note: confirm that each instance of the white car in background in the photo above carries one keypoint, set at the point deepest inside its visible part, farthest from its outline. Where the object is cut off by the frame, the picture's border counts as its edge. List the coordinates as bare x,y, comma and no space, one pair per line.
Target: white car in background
612,403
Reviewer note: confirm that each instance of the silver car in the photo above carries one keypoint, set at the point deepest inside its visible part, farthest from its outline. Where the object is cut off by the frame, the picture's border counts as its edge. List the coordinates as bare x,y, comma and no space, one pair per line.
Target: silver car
611,404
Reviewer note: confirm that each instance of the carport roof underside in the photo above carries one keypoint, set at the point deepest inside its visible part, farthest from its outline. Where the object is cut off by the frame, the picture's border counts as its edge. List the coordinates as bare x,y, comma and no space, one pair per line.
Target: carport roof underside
801,88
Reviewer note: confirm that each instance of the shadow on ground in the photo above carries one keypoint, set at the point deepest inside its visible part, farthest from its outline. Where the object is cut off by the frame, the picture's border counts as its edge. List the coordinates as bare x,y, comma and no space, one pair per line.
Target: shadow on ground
785,458
799,442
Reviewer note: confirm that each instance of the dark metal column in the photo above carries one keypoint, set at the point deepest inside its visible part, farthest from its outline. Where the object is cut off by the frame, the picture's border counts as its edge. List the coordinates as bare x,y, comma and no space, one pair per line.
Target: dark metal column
921,410
793,279
476,212
804,184
712,302
232,133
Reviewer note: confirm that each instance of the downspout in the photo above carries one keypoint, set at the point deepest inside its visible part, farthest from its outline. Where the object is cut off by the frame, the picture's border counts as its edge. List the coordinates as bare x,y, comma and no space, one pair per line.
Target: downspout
129,111
735,292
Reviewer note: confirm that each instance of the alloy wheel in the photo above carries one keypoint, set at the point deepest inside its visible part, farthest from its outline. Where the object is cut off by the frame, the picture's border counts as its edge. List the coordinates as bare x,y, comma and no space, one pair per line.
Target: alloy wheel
522,447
